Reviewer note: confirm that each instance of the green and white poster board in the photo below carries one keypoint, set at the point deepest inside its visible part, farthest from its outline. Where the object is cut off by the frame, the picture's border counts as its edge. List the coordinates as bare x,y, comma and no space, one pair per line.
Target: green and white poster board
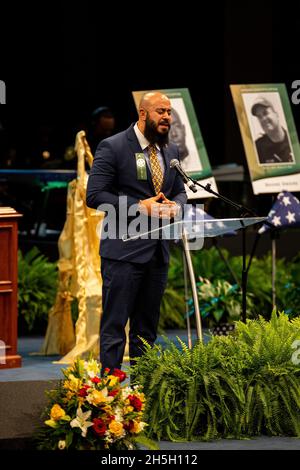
269,136
185,133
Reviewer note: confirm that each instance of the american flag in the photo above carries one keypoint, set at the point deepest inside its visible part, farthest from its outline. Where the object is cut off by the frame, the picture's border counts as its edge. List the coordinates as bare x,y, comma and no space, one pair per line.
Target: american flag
284,213
196,214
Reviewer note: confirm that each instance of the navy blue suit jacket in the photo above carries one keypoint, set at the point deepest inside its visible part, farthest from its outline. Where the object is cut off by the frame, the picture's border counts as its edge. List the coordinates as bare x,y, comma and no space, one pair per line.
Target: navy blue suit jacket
114,174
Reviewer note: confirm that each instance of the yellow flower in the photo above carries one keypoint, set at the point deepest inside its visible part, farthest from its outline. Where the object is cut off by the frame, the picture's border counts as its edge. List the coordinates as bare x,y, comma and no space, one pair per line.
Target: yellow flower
116,428
99,396
57,413
107,409
51,423
69,370
69,395
80,364
112,380
80,401
73,384
128,409
92,368
137,427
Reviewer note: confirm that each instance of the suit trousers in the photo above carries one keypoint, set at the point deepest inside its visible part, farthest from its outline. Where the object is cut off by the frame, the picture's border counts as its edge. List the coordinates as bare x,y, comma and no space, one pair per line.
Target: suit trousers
130,291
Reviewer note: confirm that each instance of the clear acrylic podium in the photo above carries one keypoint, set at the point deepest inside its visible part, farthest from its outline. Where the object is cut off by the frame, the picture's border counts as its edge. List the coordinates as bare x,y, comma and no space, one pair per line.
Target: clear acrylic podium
213,228
190,231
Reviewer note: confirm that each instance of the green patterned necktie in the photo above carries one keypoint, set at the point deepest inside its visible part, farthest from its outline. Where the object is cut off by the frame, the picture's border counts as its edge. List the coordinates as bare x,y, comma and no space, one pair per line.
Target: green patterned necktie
157,174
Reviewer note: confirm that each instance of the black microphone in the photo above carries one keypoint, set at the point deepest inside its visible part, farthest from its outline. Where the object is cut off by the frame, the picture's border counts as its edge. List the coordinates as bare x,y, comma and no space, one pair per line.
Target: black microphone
176,165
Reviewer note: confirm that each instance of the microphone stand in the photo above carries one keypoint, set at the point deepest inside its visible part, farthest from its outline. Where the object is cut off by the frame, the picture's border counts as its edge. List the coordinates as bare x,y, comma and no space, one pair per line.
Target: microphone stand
237,206
243,211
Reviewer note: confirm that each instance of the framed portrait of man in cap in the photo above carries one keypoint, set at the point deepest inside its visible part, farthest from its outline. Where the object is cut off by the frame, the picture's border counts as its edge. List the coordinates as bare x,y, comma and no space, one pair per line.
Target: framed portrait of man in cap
269,128
186,135
269,136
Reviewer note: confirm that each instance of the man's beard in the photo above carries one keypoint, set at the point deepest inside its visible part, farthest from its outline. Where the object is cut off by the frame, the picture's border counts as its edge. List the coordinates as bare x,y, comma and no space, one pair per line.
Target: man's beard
151,133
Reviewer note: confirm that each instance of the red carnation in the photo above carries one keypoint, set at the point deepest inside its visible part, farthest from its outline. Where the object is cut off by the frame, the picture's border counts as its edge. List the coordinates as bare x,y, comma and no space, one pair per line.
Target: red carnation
95,380
128,426
83,391
99,426
113,393
120,374
106,370
135,402
109,418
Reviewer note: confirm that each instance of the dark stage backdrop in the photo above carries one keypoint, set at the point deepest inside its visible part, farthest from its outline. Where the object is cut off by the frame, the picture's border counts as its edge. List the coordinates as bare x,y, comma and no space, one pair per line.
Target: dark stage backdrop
60,61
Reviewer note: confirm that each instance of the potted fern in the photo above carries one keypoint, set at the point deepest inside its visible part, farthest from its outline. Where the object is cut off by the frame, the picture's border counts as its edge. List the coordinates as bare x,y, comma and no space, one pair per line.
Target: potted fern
220,304
37,284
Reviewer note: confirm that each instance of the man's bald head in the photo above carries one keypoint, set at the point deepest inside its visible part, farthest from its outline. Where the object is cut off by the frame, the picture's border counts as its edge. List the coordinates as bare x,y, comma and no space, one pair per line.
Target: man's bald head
153,98
155,117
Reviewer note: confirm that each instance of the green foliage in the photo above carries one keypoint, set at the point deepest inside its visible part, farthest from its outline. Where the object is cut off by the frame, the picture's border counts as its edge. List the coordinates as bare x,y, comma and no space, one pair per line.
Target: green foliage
289,295
234,387
288,286
260,281
37,284
173,304
172,309
220,302
208,263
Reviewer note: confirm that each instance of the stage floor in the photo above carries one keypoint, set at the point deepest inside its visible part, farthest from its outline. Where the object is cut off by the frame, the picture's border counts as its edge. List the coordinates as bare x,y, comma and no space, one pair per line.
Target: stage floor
33,367
36,367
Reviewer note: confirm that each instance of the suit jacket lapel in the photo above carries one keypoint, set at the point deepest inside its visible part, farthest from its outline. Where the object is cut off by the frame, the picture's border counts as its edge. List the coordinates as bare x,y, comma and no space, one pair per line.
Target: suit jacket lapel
136,148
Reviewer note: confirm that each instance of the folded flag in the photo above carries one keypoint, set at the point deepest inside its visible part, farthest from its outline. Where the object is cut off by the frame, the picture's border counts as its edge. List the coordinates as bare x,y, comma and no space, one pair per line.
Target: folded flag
284,213
196,214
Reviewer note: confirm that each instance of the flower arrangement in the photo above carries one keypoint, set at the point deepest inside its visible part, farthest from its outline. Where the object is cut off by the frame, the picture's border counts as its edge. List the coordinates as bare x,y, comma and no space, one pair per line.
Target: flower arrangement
87,411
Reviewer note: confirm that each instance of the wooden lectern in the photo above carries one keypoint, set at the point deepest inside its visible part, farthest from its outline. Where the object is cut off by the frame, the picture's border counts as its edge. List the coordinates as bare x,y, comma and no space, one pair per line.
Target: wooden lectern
9,288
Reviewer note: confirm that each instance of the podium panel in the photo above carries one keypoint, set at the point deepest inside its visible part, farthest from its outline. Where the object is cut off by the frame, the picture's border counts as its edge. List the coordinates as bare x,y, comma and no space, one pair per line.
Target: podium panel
198,226
8,288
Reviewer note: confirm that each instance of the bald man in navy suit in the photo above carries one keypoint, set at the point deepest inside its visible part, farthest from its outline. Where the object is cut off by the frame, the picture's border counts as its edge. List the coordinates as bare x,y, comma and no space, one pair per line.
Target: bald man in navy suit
134,273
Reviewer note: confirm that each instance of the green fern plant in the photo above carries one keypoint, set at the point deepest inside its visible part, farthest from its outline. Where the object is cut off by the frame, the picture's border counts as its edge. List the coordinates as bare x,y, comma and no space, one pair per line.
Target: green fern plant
37,284
234,387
